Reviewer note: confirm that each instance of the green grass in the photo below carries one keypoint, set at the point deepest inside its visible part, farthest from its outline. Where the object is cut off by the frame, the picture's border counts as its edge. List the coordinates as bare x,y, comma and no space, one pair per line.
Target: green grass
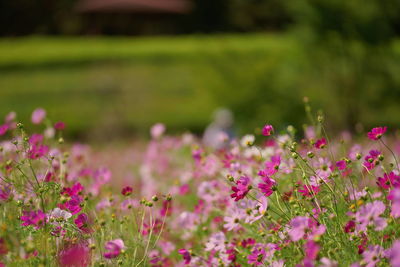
40,51
117,84
104,87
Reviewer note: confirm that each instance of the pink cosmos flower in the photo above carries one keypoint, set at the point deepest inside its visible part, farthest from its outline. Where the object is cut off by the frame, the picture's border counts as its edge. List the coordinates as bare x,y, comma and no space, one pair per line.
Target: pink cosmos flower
298,227
186,255
267,130
373,255
311,250
75,255
257,256
394,254
394,196
10,117
369,214
309,132
157,130
3,129
35,139
38,151
73,205
301,225
271,167
127,190
82,221
309,190
59,126
38,115
216,242
350,226
5,192
325,262
166,247
34,218
376,133
267,187
388,181
341,165
113,248
72,191
320,144
242,188
371,159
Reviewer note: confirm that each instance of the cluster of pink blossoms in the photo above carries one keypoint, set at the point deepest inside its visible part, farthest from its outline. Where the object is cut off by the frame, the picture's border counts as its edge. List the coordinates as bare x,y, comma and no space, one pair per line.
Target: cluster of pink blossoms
266,200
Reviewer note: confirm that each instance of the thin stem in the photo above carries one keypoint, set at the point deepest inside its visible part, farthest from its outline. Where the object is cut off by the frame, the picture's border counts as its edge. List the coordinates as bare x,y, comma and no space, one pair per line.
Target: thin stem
391,151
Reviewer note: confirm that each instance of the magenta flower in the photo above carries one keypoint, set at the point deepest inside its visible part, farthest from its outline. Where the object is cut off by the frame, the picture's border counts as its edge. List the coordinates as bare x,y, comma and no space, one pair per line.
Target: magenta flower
75,255
113,248
369,214
34,218
73,205
371,159
320,144
35,139
38,115
5,192
73,191
394,196
388,181
309,190
186,255
242,188
350,226
38,151
267,130
311,250
257,256
341,165
127,190
59,126
376,133
271,167
3,129
267,187
81,221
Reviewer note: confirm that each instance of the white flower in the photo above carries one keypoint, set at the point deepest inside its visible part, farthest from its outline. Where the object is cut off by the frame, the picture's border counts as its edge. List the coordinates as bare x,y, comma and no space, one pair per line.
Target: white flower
59,213
247,140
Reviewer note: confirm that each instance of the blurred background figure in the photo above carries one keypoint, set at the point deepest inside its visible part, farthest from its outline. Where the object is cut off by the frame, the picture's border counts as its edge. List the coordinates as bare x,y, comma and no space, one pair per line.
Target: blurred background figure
220,131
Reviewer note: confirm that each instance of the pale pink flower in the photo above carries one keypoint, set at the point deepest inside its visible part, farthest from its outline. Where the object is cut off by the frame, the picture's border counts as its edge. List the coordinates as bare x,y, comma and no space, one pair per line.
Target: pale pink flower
157,130
113,248
38,115
369,214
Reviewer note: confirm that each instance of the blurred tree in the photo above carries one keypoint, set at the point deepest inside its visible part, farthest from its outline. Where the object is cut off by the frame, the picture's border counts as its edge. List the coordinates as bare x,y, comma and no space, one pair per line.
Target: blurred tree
349,45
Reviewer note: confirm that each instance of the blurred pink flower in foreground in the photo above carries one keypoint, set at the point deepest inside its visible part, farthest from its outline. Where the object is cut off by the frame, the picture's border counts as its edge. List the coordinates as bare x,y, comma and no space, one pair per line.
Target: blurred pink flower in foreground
113,248
38,116
75,255
157,130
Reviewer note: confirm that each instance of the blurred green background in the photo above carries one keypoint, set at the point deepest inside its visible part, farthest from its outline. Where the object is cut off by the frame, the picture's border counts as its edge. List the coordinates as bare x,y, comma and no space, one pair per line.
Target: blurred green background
258,58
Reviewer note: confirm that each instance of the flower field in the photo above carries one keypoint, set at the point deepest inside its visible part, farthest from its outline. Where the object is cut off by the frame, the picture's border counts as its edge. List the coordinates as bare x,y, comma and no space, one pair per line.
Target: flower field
270,198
